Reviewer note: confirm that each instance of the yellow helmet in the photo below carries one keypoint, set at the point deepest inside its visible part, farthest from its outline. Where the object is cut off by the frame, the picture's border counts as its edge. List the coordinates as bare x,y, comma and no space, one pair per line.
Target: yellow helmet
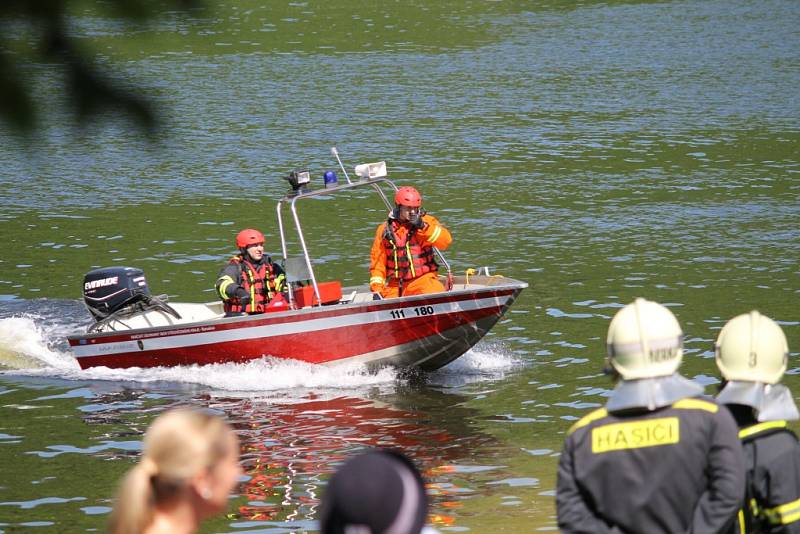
644,341
752,348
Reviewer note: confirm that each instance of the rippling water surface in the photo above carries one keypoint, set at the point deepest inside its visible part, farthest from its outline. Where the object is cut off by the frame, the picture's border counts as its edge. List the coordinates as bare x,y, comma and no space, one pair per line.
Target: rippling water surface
599,152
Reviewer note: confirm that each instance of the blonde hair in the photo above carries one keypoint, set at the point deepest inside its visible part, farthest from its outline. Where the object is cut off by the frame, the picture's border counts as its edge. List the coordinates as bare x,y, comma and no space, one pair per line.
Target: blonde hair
179,444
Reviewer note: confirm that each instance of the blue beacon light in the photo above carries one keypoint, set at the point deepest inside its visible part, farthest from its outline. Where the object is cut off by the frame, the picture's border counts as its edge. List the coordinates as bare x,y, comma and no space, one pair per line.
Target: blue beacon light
330,179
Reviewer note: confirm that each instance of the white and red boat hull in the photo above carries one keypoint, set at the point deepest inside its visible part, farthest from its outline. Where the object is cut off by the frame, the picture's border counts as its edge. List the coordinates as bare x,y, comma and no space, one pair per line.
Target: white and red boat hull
426,331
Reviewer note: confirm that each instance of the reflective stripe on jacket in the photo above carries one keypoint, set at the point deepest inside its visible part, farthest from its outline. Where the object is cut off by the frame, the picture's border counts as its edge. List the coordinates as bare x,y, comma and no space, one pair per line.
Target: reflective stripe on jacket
772,461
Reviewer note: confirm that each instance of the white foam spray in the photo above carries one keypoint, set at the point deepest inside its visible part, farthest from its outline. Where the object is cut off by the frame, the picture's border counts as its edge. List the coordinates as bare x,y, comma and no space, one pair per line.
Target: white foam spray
23,345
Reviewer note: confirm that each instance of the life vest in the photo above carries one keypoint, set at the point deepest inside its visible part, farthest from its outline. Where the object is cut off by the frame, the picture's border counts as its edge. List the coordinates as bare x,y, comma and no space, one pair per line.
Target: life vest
258,281
406,258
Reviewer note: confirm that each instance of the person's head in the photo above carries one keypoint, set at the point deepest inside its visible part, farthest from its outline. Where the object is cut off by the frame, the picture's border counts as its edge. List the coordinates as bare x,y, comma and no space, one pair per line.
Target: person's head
379,491
250,242
752,348
644,341
408,203
752,355
190,457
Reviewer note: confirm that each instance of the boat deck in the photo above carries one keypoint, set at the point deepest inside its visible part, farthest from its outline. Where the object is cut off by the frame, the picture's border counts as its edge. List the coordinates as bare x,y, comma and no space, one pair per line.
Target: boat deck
211,311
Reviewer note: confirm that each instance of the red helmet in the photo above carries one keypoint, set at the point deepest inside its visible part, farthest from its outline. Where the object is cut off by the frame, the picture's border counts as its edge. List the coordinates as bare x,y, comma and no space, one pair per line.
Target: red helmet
408,196
248,238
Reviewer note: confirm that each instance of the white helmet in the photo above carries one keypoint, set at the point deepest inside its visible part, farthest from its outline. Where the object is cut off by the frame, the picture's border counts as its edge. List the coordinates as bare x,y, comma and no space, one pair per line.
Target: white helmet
644,341
752,348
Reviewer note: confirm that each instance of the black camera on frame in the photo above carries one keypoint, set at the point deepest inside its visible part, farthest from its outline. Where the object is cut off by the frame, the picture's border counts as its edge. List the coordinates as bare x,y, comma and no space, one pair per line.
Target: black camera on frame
299,181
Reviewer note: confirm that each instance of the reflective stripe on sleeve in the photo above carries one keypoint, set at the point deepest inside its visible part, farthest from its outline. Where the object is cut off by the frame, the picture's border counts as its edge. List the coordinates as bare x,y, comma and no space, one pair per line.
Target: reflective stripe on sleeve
435,235
226,281
376,280
783,514
280,282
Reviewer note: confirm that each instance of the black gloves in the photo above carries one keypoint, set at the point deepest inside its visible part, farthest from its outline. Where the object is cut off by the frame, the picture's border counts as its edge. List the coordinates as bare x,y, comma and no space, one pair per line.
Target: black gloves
243,296
416,222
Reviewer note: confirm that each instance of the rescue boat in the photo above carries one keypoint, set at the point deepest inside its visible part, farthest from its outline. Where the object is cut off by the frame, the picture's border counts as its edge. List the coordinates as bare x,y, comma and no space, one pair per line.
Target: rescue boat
320,322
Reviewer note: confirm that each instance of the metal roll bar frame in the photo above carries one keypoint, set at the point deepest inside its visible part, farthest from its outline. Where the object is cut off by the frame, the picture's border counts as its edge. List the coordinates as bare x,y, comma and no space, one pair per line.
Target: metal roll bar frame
292,200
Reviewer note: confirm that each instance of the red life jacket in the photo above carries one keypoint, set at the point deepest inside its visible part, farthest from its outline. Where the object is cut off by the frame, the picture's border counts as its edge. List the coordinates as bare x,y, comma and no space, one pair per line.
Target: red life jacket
406,259
258,281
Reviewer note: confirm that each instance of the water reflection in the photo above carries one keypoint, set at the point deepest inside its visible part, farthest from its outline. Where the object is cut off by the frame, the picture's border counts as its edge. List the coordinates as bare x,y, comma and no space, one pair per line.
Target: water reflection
291,443
290,448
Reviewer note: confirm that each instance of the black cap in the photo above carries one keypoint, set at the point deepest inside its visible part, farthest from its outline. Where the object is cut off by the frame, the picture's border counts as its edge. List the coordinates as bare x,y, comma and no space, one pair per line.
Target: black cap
380,490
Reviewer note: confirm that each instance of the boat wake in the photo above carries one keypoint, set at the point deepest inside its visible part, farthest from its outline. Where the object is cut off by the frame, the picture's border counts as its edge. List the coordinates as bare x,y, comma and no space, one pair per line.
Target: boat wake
33,345
23,345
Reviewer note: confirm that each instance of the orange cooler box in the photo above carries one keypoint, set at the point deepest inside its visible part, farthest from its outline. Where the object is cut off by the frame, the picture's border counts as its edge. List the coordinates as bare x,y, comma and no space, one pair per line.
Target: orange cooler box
330,292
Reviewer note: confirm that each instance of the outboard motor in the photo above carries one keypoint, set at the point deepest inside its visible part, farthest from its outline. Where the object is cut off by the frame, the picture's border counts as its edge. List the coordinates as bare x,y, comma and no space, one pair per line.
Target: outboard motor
110,289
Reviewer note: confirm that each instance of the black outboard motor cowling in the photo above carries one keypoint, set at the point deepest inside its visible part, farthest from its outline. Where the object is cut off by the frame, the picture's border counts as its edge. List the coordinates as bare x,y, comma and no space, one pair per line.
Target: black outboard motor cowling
110,289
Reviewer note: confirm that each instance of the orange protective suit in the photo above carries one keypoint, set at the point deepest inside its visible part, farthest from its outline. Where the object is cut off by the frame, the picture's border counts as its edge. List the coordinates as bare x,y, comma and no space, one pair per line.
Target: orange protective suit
384,281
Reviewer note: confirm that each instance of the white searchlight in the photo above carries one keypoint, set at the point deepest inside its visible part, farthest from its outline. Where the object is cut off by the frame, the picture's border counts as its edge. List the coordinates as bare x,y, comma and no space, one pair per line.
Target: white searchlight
370,171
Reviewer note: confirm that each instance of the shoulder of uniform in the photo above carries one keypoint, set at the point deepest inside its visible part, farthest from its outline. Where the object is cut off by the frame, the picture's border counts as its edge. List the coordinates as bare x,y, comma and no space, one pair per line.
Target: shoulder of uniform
696,404
766,427
588,418
235,259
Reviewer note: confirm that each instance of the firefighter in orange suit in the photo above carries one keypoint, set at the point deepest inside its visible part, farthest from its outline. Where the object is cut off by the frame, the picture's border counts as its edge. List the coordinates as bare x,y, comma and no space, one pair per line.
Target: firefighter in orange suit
250,282
402,257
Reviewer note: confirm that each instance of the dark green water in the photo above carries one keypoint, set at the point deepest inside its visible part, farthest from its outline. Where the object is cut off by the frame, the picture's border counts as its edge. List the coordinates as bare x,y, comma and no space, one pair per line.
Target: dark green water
599,152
